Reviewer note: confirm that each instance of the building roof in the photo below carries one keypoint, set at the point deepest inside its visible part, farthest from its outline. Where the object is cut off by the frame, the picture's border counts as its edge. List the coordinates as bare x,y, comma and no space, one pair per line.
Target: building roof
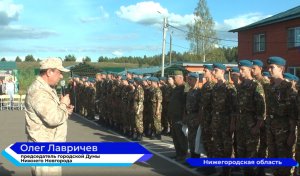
8,65
290,14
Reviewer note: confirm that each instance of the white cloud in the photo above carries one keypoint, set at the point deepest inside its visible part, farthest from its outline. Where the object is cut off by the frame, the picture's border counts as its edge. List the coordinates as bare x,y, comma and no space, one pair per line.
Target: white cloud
102,15
152,13
9,11
240,21
22,32
117,53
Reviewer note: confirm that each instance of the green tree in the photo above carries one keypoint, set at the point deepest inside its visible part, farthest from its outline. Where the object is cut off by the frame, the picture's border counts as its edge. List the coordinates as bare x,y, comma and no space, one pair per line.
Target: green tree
29,58
201,33
70,58
3,59
18,59
86,59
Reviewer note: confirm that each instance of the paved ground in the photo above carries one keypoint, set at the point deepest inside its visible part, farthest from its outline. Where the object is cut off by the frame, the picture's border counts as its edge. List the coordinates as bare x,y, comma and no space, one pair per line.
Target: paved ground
82,130
79,129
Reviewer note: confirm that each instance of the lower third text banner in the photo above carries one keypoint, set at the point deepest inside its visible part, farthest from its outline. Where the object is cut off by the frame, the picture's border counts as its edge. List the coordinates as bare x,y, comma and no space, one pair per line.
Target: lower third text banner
76,153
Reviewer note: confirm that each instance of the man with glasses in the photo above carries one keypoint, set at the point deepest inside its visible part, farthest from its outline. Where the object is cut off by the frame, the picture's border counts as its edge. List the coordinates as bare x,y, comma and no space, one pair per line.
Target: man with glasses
47,114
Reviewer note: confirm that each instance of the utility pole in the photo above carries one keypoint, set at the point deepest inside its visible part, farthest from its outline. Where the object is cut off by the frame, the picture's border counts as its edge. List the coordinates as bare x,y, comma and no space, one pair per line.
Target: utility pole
170,59
163,47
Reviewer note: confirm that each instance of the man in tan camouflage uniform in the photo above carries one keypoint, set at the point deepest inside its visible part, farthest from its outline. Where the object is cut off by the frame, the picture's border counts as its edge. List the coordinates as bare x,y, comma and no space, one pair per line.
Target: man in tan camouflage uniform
281,115
156,108
138,106
45,114
251,114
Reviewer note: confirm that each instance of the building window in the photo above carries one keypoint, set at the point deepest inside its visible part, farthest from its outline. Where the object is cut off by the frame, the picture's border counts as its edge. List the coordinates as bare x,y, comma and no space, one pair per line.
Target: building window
294,37
294,71
259,42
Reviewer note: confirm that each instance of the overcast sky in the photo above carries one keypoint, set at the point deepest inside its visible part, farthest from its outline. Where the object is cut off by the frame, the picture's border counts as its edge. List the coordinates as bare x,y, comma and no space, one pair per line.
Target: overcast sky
114,28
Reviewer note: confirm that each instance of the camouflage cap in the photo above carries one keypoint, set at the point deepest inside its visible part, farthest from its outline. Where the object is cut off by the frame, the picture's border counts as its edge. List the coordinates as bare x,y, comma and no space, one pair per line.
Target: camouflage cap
53,63
178,72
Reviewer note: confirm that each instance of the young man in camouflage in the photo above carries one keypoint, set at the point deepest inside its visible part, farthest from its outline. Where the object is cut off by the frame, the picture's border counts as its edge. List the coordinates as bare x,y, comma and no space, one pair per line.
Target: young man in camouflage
191,117
169,90
45,114
156,108
224,109
206,111
138,106
251,114
281,115
257,74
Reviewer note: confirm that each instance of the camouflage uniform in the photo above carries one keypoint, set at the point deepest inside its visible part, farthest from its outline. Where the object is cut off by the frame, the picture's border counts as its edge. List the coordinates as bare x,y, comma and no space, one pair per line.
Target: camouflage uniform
164,120
192,117
156,99
166,99
176,112
138,107
124,105
117,101
130,109
91,102
262,150
46,119
206,117
147,110
281,116
252,109
98,94
224,107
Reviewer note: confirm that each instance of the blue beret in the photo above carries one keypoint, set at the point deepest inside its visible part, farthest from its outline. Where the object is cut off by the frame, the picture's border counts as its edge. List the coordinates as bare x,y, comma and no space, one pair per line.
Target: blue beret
235,70
288,76
257,62
291,77
266,74
129,72
209,67
131,81
104,73
109,72
193,75
276,60
154,79
245,63
138,79
219,66
147,74
162,78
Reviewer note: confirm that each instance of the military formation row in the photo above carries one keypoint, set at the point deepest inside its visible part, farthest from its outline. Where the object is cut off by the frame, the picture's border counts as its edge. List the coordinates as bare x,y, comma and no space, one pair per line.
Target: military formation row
254,116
